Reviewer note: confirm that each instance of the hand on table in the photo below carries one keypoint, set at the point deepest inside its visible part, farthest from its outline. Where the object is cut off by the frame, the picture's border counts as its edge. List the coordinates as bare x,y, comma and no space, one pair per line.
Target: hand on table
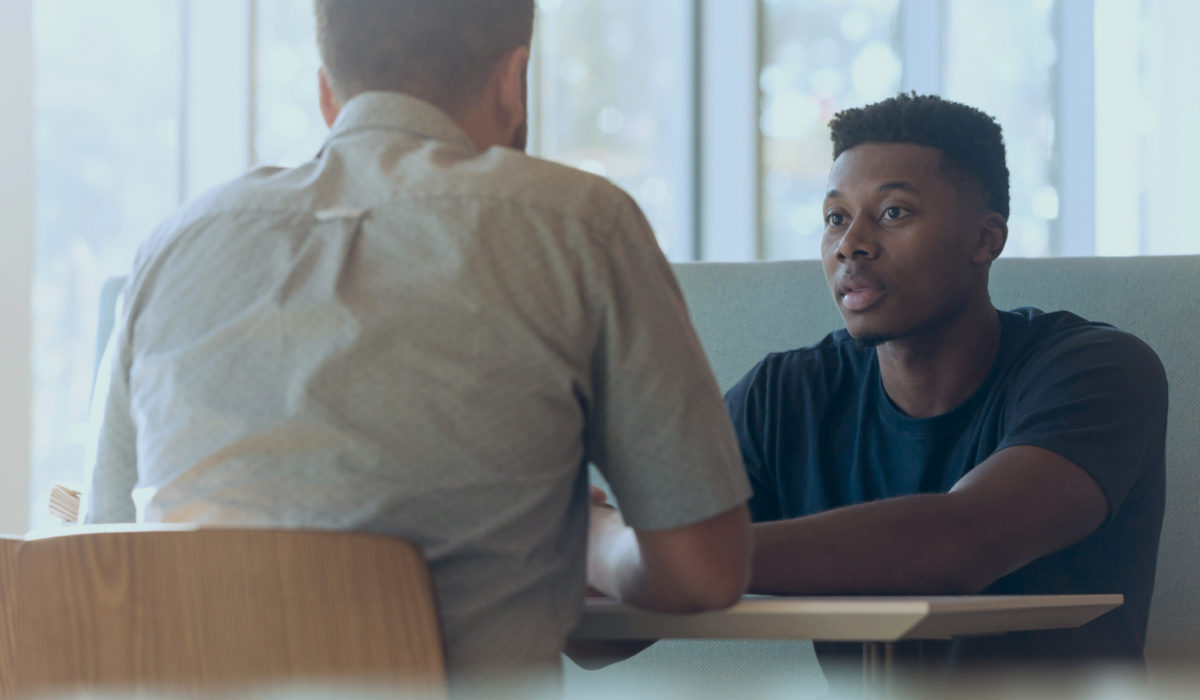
598,499
597,496
605,526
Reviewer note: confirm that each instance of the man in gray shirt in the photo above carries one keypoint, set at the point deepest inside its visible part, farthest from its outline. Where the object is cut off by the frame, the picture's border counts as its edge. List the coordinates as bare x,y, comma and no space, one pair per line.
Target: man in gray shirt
425,332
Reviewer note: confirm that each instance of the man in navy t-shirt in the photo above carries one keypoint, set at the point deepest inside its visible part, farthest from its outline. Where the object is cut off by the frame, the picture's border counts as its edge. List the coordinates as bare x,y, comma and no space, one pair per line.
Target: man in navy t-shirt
937,445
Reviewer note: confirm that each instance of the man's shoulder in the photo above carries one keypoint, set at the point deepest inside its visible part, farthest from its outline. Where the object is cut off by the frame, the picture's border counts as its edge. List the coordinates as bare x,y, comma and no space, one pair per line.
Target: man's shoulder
239,198
1059,323
1062,354
1064,335
546,187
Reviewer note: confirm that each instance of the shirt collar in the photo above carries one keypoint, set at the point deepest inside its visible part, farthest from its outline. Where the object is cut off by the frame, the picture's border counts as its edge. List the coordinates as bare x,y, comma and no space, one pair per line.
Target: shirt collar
399,112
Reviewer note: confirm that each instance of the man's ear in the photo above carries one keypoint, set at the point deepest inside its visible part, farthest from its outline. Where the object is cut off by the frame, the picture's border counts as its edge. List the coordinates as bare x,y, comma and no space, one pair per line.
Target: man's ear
511,93
329,104
993,235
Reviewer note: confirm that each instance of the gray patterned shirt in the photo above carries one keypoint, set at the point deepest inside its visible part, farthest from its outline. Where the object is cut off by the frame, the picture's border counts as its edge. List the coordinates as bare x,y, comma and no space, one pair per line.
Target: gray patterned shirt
407,336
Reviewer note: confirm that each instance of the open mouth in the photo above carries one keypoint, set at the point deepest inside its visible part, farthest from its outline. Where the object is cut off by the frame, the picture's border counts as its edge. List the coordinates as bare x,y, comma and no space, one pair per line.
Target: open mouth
861,299
860,293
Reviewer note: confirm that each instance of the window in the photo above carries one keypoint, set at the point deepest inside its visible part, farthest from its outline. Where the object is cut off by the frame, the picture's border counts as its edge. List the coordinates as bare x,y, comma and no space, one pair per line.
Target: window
613,95
818,57
1146,113
107,123
1001,58
287,125
711,113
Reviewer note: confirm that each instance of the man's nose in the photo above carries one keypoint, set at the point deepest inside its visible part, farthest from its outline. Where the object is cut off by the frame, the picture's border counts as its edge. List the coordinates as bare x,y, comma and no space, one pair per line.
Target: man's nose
859,241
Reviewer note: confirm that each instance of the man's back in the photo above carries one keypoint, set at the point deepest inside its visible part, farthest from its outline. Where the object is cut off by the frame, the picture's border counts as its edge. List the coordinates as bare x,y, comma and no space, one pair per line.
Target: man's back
407,336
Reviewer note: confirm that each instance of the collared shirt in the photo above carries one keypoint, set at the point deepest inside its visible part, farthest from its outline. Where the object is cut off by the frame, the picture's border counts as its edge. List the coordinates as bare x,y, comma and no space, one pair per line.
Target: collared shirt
405,335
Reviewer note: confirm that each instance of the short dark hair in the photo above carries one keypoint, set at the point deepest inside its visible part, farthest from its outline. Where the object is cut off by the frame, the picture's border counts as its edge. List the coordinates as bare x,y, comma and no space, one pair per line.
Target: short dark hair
970,141
440,50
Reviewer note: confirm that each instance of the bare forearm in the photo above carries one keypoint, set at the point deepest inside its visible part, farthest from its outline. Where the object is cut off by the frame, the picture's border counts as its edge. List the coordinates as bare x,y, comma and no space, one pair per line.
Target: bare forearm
919,544
1020,504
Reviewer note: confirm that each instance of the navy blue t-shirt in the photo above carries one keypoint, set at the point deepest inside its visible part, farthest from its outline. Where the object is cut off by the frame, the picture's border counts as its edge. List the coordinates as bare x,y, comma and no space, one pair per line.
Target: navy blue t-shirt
818,431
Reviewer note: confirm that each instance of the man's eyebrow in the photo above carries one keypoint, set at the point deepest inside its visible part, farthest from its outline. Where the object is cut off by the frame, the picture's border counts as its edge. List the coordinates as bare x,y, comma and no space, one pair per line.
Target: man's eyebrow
890,186
885,187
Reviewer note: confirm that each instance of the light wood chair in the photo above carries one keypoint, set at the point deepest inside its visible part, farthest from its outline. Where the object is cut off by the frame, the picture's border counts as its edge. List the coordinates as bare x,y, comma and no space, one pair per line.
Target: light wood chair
8,584
195,609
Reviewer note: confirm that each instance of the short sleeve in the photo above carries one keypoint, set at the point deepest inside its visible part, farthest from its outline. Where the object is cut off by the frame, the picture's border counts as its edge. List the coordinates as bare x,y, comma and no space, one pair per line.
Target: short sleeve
746,402
1098,398
657,428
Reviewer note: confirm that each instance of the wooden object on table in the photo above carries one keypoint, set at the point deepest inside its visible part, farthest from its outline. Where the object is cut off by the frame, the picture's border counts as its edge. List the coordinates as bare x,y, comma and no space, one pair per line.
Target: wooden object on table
193,609
64,502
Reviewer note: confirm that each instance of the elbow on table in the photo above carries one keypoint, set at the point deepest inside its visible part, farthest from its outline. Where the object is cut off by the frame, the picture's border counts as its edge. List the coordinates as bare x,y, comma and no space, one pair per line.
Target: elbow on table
701,567
981,563
962,583
717,593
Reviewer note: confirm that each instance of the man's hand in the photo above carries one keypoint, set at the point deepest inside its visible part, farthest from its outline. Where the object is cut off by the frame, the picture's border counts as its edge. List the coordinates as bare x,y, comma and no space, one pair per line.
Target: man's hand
606,528
598,498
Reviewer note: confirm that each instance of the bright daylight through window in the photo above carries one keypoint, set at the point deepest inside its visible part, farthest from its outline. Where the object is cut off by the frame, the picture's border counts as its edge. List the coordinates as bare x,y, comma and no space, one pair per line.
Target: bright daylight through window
1095,99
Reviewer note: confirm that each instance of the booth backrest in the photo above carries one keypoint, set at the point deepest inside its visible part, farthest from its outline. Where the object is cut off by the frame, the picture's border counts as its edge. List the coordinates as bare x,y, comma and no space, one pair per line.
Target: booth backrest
742,311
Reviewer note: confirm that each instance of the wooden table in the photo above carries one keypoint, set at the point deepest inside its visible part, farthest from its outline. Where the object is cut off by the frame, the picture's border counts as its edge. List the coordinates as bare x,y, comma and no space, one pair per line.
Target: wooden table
877,622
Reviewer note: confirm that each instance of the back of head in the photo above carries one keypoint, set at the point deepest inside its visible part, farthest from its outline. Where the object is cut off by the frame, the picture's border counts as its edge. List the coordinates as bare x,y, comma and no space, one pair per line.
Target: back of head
970,141
438,50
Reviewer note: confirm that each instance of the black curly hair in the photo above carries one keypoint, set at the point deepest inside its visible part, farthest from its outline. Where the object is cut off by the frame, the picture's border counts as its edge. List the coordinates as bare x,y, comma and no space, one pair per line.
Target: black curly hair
970,141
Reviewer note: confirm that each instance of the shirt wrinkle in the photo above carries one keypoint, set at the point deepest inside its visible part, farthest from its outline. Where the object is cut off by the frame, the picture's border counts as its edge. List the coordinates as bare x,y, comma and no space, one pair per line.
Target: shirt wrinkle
425,369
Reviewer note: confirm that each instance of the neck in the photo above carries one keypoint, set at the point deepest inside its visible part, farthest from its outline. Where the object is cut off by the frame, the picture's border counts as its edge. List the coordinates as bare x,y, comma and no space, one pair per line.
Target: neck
479,124
928,374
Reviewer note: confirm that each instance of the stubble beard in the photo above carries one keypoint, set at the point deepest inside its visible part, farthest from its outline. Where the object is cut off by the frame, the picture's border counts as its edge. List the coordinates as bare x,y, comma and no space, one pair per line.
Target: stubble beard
868,342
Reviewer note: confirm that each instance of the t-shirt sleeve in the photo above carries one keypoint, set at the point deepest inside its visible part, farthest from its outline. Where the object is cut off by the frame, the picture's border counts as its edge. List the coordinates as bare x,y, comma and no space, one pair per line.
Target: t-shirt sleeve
657,428
748,410
1099,399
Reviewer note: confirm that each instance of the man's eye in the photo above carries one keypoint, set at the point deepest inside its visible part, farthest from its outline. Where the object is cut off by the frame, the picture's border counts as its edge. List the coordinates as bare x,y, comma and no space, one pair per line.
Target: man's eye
893,212
834,219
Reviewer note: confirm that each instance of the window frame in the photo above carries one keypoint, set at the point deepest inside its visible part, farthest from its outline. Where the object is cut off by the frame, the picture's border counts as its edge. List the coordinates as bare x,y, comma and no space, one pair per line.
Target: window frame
219,44
16,265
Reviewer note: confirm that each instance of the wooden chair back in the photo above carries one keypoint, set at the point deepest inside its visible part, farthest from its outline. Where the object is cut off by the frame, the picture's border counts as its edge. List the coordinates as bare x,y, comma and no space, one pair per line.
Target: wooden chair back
8,585
193,609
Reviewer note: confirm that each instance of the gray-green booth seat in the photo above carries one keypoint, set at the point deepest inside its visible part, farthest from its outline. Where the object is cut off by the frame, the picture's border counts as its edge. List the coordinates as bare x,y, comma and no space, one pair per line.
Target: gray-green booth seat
742,311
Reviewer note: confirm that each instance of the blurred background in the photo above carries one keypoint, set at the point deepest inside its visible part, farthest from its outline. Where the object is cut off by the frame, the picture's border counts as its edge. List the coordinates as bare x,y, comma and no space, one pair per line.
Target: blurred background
711,113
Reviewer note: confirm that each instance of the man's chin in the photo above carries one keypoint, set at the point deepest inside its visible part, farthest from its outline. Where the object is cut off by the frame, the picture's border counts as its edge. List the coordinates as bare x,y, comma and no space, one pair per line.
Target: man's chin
868,341
865,337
